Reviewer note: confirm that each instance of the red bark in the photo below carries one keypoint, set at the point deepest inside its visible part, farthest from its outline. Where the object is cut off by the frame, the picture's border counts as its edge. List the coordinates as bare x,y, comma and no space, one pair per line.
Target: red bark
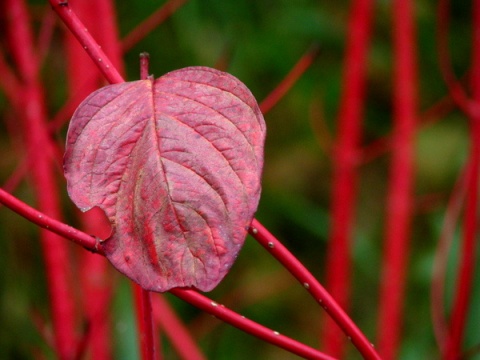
469,244
32,113
346,155
174,329
84,78
154,20
328,303
399,197
289,80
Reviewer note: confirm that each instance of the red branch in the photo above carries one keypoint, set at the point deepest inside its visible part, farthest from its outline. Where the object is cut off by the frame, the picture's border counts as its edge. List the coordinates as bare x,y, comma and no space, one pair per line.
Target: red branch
9,83
96,282
143,306
33,116
454,86
440,263
190,296
196,299
399,197
328,303
151,23
346,155
290,79
143,303
45,34
248,326
177,333
46,222
468,247
78,29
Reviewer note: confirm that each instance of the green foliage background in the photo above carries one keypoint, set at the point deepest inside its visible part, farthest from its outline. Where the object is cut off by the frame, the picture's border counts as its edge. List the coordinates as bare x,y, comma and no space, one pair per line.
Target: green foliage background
261,41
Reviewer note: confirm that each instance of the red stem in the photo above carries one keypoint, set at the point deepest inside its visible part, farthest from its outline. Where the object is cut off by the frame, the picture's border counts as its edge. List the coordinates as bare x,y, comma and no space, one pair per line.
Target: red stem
17,176
151,23
434,113
9,83
328,303
247,325
83,79
399,197
454,86
468,248
33,115
178,334
445,241
68,108
190,296
47,222
45,34
143,308
78,29
107,31
255,329
467,254
346,155
143,304
290,79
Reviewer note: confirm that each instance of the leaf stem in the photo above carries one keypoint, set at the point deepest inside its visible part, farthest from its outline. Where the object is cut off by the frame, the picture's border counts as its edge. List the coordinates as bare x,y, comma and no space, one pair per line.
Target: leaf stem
143,303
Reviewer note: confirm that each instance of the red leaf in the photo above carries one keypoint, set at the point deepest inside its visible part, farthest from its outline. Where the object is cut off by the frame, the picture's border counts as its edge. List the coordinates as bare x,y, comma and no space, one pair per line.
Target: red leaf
175,163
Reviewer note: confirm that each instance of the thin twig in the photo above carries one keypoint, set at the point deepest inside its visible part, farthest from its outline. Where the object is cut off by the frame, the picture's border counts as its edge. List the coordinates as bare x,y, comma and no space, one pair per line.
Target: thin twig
318,292
154,20
47,222
290,79
175,330
248,326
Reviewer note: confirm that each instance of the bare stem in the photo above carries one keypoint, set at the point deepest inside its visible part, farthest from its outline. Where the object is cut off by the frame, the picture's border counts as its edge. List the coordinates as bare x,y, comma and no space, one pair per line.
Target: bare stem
346,153
290,79
318,292
143,303
455,88
46,222
143,308
151,23
248,326
174,329
71,20
399,197
193,297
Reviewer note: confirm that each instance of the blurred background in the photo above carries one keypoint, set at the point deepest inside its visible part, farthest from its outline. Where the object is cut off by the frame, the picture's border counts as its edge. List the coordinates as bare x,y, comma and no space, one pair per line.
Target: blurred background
259,42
